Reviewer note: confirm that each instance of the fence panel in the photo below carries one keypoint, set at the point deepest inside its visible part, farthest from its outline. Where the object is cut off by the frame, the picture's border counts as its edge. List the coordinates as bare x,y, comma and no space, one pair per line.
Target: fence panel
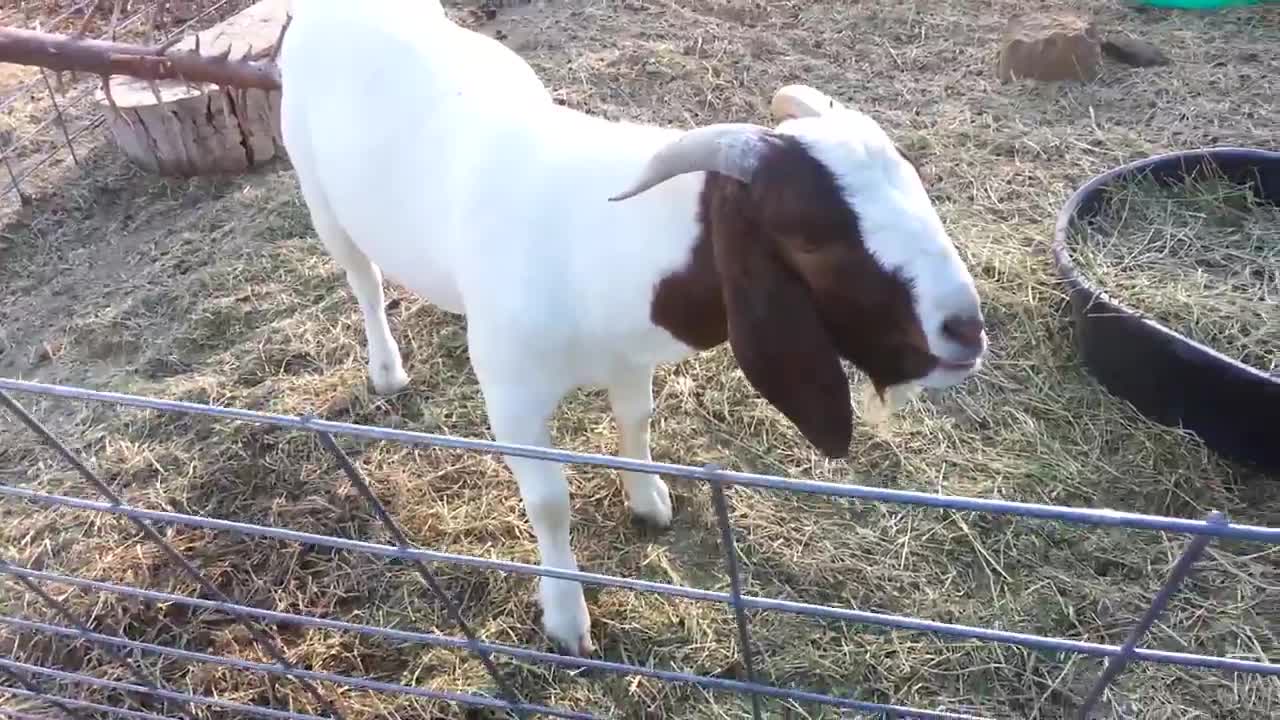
28,681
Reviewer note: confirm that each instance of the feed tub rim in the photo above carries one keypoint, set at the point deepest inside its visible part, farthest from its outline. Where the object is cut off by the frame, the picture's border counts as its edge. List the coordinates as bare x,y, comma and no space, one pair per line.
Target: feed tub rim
1169,377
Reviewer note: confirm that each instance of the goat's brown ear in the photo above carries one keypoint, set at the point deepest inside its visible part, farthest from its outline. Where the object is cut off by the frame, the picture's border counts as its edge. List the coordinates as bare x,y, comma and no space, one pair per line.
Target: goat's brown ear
782,348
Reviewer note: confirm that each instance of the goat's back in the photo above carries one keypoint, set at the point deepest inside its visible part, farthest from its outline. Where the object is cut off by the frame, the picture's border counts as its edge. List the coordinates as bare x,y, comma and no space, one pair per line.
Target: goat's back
389,112
442,156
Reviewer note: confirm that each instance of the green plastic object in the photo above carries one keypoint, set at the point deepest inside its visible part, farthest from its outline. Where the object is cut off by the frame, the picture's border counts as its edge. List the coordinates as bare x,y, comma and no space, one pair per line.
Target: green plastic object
1201,4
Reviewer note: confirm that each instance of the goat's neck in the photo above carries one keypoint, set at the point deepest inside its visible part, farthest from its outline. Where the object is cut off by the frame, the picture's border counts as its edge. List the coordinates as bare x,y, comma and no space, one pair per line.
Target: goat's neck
688,303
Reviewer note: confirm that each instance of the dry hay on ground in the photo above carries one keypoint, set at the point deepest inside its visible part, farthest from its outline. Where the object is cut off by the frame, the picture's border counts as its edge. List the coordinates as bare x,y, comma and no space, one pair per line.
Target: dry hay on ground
216,291
1201,257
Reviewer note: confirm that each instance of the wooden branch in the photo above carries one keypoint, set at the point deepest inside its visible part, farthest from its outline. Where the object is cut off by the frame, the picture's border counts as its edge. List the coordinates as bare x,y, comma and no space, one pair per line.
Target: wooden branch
147,62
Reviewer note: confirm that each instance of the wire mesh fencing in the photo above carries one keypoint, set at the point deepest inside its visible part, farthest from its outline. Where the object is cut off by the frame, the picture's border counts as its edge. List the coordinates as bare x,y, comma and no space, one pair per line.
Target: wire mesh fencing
31,682
50,121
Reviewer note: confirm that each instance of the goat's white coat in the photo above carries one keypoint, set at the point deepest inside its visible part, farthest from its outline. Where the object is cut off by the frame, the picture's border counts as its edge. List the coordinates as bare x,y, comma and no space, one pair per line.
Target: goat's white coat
435,155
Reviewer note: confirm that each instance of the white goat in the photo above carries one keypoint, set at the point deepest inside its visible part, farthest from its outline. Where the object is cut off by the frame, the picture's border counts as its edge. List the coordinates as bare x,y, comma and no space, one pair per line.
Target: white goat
585,252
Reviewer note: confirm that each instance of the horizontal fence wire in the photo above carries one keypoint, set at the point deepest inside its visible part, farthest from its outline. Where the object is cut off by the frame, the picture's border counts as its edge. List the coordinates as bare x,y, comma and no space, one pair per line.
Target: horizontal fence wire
827,612
710,683
72,703
250,710
461,698
310,423
1116,657
69,617
294,672
262,639
21,715
33,689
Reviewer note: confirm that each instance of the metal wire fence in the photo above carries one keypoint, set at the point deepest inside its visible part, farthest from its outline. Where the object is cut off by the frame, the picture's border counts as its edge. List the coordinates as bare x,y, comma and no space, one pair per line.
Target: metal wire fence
30,681
48,122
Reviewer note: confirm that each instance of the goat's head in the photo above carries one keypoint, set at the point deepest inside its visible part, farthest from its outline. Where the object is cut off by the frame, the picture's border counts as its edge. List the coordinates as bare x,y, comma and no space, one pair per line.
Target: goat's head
827,245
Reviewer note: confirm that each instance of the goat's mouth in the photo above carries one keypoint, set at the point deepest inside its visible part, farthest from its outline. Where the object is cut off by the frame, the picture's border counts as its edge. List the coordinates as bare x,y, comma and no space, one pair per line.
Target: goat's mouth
951,371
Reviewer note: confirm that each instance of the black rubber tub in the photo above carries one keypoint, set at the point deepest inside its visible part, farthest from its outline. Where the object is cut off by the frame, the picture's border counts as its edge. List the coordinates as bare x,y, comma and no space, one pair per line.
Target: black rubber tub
1175,381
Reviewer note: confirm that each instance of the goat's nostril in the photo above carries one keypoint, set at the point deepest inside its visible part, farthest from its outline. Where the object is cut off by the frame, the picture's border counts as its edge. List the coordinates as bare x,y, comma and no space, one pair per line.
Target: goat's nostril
964,329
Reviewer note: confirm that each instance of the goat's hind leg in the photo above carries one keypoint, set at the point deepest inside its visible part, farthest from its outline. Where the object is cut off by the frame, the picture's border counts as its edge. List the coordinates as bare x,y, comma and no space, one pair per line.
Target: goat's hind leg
631,397
386,370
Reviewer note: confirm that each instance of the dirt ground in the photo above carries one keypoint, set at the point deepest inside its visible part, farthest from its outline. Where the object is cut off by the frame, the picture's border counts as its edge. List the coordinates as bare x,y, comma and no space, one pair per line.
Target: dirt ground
215,291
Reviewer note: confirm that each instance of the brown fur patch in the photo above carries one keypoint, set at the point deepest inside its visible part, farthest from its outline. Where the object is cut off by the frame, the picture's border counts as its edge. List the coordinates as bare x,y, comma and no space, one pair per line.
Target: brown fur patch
781,272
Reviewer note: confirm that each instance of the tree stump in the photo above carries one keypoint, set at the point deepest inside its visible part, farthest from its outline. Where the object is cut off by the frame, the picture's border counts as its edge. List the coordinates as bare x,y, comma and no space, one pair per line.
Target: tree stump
1048,46
180,129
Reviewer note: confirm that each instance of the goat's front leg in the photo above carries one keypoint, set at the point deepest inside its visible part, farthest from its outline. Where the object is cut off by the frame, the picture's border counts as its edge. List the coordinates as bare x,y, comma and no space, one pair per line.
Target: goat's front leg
631,396
520,409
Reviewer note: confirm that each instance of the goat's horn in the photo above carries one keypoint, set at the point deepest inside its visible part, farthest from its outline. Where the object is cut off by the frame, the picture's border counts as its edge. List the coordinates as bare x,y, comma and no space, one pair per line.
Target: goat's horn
797,101
727,148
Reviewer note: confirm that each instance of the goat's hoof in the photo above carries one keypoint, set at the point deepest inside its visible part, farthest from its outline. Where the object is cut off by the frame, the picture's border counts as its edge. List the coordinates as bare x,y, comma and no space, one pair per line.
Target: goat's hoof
565,618
388,381
650,503
583,647
575,643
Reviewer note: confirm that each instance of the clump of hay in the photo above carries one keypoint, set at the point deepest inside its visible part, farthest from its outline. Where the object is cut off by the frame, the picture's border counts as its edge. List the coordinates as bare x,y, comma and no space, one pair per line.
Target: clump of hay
878,408
1201,257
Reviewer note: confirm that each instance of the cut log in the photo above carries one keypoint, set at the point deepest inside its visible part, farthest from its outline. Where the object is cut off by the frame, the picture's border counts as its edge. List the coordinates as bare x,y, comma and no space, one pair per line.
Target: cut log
1049,46
175,128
